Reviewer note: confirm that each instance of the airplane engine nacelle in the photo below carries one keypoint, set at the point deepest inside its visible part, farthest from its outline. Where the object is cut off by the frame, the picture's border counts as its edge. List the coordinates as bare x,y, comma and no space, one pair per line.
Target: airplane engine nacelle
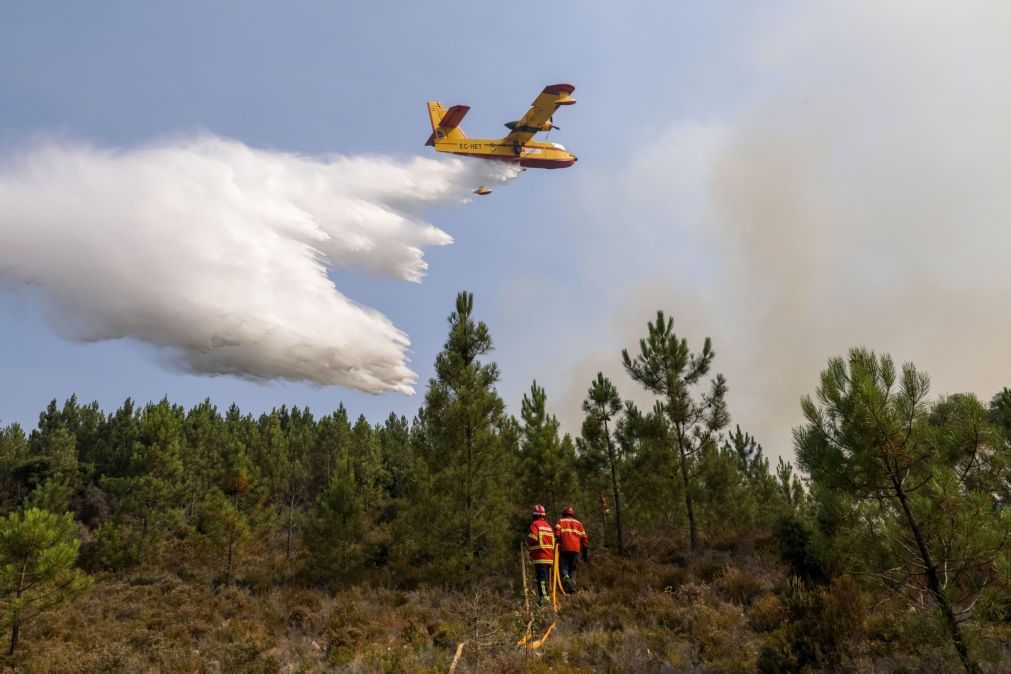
547,126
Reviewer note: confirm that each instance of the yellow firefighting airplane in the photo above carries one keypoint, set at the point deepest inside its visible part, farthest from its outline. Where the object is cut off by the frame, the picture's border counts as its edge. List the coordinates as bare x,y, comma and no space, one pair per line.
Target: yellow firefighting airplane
518,147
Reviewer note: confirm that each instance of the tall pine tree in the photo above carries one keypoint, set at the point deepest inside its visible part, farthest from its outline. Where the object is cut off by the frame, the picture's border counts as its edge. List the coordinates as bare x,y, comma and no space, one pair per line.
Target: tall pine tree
546,464
463,503
665,367
597,444
911,483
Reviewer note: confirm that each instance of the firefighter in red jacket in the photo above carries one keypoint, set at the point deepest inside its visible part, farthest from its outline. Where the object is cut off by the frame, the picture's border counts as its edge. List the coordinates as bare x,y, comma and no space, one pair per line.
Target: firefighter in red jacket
572,540
541,544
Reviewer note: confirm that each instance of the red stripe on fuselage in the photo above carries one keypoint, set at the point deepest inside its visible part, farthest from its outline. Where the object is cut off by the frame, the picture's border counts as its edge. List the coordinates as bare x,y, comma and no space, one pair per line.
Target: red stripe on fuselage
525,162
547,163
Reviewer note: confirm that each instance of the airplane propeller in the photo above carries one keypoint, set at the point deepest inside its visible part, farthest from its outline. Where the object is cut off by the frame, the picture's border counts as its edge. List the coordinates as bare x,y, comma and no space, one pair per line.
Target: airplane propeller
551,127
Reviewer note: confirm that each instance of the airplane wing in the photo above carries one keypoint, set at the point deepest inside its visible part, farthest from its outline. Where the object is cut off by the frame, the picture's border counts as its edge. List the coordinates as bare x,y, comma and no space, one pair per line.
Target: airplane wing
540,113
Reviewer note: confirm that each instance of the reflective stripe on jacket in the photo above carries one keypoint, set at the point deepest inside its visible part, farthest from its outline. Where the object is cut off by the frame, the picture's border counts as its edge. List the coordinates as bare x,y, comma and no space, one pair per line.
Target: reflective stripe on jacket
541,542
571,535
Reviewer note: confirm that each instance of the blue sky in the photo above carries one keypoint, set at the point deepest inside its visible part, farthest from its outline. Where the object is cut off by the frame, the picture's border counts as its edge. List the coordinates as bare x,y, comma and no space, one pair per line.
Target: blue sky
733,166
317,77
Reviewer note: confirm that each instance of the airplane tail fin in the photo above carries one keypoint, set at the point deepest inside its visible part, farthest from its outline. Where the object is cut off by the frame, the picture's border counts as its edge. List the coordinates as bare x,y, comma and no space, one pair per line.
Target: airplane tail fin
446,123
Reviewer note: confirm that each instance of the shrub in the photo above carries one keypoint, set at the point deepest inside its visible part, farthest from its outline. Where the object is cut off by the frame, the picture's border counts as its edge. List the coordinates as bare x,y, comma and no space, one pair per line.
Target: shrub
117,547
766,613
821,622
710,564
737,586
796,550
691,592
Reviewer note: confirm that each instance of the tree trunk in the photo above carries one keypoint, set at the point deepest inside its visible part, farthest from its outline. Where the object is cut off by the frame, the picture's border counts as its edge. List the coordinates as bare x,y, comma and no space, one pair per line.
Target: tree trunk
603,528
291,524
935,584
15,619
614,486
330,460
469,494
15,627
693,531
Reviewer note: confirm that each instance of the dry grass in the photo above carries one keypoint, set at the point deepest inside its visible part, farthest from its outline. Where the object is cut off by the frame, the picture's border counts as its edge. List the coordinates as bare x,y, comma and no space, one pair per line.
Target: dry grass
688,612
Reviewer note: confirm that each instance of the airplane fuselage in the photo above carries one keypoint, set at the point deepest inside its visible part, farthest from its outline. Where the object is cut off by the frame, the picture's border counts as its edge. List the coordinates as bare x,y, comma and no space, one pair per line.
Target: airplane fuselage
533,154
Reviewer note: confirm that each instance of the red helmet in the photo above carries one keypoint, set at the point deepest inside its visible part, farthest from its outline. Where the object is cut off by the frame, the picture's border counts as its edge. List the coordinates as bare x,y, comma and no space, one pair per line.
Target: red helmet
569,511
539,511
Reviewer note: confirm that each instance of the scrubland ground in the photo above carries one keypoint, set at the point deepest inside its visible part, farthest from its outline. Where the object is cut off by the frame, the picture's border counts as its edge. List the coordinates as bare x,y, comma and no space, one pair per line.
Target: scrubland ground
661,609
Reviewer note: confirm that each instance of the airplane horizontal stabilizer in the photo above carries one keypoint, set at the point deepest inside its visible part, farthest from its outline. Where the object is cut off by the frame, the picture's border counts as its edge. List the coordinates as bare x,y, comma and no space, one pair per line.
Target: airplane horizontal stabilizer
454,116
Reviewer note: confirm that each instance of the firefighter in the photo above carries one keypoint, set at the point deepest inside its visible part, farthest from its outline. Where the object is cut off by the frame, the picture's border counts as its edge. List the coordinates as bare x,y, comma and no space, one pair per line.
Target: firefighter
572,540
541,544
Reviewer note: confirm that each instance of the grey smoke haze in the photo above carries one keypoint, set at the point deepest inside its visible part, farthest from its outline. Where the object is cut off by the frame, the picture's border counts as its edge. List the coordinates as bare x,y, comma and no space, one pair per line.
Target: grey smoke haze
217,253
861,197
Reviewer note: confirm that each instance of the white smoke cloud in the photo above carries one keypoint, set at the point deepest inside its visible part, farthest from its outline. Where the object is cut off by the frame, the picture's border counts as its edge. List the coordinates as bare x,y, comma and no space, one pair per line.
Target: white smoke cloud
863,200
857,197
218,253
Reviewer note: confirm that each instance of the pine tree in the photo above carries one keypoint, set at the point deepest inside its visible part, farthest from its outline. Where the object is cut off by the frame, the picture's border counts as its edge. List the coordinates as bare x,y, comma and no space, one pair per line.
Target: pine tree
332,457
203,431
270,453
546,464
910,482
727,500
597,443
1000,417
114,455
296,481
397,454
789,485
1000,412
650,491
38,551
14,483
750,457
236,473
369,471
53,463
464,505
150,498
87,423
333,531
665,367
225,526
769,496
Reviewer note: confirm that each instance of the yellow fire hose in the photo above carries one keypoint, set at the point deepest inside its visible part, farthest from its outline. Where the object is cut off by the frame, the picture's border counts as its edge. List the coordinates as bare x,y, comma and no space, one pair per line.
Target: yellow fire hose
537,644
556,584
534,645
